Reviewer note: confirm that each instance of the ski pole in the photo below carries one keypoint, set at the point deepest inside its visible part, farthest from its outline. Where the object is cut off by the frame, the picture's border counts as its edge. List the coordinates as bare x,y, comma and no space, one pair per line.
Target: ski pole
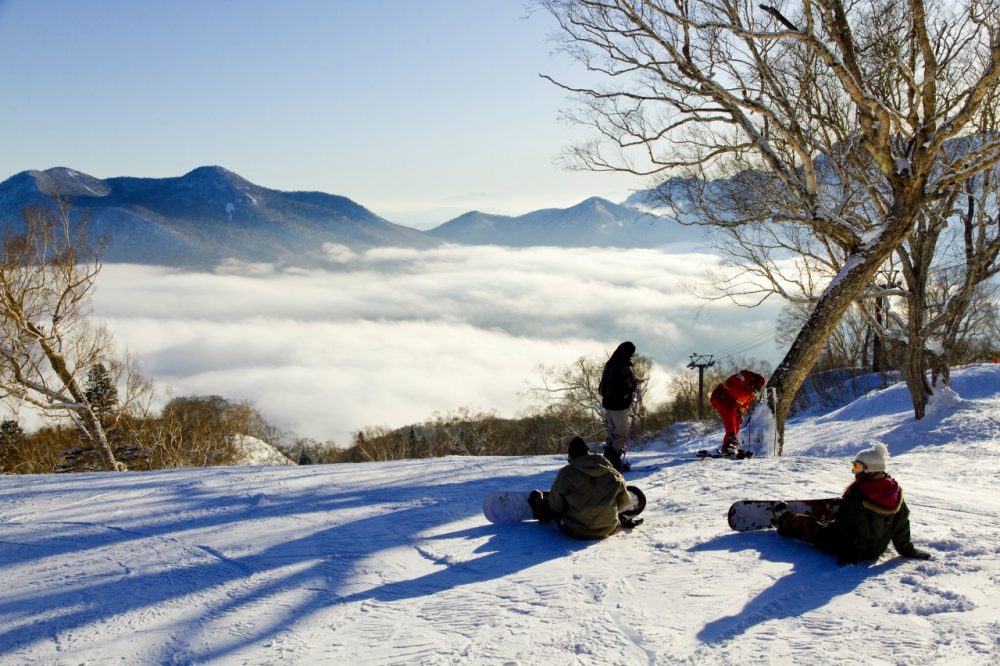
632,416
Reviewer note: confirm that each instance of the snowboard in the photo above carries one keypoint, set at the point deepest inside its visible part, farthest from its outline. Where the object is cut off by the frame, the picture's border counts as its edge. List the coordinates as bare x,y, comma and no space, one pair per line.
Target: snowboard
507,506
748,515
511,506
741,454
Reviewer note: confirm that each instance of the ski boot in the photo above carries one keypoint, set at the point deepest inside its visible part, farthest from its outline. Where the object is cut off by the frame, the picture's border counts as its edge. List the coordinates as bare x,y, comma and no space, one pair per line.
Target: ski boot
730,446
778,510
614,456
540,508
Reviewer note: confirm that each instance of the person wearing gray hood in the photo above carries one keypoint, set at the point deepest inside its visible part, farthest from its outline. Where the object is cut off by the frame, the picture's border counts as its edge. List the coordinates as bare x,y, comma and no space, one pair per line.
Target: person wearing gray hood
586,496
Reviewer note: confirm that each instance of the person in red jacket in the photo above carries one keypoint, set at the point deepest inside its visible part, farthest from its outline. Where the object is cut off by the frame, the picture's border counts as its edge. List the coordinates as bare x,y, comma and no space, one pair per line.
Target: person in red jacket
731,399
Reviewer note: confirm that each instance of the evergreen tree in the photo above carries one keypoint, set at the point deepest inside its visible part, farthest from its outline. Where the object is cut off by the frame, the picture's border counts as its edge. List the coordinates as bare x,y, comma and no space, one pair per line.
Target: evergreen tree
11,431
11,439
101,393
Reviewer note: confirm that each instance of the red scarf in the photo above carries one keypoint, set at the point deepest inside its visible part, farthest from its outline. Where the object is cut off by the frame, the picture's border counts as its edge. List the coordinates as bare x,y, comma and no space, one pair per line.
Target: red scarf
884,492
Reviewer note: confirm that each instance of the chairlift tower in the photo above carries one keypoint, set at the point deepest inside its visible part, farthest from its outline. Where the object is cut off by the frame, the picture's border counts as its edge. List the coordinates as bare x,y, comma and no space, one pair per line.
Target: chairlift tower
701,362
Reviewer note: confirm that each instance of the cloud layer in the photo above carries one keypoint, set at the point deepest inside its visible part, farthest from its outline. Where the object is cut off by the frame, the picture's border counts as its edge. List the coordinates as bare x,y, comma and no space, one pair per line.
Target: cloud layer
391,336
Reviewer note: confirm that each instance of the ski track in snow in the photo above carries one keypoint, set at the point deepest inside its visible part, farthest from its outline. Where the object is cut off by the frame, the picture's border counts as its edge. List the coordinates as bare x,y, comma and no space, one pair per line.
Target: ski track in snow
392,563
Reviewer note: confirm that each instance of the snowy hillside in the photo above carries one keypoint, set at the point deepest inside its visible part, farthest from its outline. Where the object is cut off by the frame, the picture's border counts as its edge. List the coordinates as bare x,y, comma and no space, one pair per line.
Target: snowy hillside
255,451
392,563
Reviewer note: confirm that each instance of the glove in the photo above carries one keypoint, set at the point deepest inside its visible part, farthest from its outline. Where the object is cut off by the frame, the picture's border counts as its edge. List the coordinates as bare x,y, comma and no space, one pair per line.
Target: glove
629,521
920,554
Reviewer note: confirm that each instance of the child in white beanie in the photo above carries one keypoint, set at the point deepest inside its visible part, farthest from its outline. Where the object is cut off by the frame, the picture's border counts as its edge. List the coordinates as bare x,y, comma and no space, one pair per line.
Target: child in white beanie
871,515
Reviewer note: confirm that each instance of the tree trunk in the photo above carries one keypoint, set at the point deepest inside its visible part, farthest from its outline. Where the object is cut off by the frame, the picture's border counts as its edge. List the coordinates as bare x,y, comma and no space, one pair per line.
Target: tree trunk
857,272
87,419
914,368
95,431
915,376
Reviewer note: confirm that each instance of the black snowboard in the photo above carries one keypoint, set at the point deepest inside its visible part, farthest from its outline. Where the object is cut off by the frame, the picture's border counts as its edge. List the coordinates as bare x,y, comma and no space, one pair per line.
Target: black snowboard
741,454
748,515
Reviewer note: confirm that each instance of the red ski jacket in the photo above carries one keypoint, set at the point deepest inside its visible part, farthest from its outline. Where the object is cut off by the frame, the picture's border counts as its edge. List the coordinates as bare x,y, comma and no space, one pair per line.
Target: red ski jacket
741,387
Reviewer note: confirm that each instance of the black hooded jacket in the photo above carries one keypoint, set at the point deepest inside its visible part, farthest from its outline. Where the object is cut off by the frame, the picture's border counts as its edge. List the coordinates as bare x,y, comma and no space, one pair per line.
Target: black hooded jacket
617,381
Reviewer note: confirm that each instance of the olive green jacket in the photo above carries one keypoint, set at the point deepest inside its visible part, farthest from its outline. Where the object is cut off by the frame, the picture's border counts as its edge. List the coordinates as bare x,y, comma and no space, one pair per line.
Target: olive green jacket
587,495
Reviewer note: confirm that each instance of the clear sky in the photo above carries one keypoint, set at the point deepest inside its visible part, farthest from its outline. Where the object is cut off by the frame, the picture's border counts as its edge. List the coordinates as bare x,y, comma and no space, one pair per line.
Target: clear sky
418,110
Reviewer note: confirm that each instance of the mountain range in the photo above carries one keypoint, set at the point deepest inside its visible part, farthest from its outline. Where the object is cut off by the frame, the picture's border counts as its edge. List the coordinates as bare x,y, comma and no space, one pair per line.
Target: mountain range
205,216
593,222
211,214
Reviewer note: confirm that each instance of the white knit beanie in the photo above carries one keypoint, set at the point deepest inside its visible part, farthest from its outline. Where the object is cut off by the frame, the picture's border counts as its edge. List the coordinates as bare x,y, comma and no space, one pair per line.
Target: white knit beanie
874,458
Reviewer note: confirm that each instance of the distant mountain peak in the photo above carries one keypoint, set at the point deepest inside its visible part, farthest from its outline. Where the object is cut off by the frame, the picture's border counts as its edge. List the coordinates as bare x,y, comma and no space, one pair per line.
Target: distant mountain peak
594,204
208,215
218,177
213,171
66,182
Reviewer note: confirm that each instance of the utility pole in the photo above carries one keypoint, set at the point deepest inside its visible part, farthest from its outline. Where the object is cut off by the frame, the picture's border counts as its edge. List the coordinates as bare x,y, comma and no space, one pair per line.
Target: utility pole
701,362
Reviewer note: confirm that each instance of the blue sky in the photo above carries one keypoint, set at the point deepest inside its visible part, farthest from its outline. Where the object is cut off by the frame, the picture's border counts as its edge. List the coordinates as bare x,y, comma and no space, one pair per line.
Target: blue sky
419,110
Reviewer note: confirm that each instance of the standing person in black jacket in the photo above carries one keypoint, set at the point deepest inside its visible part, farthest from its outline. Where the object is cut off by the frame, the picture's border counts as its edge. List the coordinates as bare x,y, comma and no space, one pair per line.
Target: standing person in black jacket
617,389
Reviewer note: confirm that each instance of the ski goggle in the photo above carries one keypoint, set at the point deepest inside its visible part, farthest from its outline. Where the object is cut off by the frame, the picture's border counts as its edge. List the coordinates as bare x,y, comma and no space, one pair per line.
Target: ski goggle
857,467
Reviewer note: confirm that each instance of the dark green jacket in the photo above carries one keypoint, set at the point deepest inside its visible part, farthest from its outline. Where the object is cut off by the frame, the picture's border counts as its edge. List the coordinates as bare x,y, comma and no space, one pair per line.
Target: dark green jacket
862,530
587,495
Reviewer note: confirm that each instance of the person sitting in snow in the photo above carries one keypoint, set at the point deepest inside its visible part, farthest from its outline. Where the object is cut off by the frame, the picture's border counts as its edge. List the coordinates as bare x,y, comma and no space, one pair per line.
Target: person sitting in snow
731,399
871,515
586,496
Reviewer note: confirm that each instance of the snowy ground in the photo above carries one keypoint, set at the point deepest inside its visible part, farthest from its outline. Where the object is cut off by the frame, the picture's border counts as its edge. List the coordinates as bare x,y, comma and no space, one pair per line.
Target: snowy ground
392,563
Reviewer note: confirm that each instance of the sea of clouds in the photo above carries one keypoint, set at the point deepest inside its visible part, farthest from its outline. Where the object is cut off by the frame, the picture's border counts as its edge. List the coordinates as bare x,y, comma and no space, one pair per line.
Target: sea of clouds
392,336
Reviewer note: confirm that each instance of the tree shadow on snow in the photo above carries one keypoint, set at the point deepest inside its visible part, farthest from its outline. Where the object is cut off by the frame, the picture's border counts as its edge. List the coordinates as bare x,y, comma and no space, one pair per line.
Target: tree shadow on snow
316,566
815,579
507,550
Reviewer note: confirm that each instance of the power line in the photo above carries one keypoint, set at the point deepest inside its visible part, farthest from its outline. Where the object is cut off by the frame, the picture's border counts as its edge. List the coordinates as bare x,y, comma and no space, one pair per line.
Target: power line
747,344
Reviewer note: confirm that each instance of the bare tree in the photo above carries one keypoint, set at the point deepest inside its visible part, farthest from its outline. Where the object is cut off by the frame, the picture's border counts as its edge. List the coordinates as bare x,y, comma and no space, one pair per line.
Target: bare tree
944,264
964,303
848,344
204,431
838,114
47,276
571,396
571,392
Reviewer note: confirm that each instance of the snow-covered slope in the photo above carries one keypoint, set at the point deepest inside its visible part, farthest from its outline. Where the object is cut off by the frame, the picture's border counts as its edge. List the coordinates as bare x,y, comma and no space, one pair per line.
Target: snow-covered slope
392,563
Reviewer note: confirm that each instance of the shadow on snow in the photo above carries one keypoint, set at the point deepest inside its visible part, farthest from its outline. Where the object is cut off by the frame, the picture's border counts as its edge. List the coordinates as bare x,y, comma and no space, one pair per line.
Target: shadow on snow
320,563
815,579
